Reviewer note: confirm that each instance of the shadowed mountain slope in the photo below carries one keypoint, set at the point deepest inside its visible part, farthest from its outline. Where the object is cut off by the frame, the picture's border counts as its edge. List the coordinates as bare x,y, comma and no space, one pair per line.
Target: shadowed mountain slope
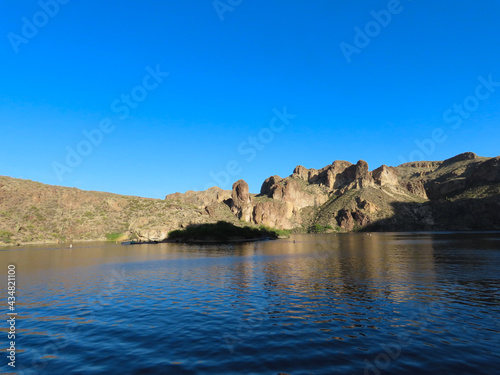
460,193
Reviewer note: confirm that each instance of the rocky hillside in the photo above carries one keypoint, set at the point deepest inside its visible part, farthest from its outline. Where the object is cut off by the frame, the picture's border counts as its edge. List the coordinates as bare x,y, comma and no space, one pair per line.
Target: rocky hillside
461,193
34,212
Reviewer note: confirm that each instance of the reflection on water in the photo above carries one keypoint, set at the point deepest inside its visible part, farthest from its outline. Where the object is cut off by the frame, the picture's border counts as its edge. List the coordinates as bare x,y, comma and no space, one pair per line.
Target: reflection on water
314,304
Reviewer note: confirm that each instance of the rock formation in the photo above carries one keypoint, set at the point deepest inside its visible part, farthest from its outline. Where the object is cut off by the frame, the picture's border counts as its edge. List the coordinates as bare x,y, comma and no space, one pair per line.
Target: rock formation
413,196
460,193
201,198
241,201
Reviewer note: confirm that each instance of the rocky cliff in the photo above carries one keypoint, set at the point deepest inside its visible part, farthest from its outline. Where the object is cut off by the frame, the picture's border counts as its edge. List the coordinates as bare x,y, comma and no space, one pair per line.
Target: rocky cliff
460,193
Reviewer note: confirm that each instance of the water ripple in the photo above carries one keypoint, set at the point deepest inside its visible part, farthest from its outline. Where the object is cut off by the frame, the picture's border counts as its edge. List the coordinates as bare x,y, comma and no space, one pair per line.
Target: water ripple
384,304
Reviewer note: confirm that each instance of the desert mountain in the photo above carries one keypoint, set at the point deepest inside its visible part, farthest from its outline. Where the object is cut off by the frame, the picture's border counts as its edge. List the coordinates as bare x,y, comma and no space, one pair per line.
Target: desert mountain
35,212
461,193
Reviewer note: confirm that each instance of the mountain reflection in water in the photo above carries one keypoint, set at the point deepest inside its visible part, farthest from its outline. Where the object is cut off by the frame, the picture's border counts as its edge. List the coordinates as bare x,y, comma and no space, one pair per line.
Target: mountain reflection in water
391,303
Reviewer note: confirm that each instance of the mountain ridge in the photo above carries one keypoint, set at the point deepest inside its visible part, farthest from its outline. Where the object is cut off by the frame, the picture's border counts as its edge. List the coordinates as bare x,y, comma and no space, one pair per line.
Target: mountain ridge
459,193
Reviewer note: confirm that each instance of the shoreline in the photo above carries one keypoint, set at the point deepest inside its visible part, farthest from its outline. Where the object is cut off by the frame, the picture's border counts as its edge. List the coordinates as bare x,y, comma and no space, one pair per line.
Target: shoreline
2,246
17,244
236,240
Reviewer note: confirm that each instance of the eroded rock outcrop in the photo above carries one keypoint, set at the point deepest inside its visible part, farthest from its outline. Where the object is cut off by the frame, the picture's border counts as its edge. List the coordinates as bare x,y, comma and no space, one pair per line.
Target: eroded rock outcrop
201,198
293,192
460,157
350,197
486,172
269,184
460,193
385,175
416,188
273,214
241,201
301,173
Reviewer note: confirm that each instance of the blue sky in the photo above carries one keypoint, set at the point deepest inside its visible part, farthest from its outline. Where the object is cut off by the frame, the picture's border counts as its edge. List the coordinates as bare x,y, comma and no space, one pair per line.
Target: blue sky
253,89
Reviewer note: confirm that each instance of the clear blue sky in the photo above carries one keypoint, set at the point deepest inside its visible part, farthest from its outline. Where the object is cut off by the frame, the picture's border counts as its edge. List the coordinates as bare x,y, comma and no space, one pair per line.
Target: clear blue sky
229,77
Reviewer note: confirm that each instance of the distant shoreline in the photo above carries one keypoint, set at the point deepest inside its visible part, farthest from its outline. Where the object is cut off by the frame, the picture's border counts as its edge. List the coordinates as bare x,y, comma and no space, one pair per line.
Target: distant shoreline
201,242
236,240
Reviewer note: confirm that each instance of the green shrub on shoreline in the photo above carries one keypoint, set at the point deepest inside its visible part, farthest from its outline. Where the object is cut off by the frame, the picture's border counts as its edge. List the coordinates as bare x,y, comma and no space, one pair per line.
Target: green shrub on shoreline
114,236
316,228
278,232
5,236
221,231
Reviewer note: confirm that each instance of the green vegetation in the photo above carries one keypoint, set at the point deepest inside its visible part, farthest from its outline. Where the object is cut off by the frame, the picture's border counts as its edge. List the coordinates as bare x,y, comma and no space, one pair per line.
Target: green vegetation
277,232
5,236
221,231
59,238
263,198
65,214
114,236
316,228
34,212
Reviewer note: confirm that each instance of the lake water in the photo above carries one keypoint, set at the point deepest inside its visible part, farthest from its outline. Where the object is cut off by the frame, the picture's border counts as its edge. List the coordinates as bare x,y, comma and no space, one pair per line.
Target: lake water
396,303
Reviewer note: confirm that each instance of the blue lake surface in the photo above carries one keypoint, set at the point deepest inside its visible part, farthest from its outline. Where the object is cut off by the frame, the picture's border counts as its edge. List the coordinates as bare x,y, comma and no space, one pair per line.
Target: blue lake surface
393,303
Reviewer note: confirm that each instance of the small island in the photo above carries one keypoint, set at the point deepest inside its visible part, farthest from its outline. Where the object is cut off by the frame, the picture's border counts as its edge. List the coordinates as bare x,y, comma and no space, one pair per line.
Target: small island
224,232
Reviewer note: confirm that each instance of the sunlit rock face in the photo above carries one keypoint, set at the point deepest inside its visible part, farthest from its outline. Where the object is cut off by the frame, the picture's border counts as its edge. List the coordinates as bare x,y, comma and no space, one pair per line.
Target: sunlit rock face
460,193
348,197
241,201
